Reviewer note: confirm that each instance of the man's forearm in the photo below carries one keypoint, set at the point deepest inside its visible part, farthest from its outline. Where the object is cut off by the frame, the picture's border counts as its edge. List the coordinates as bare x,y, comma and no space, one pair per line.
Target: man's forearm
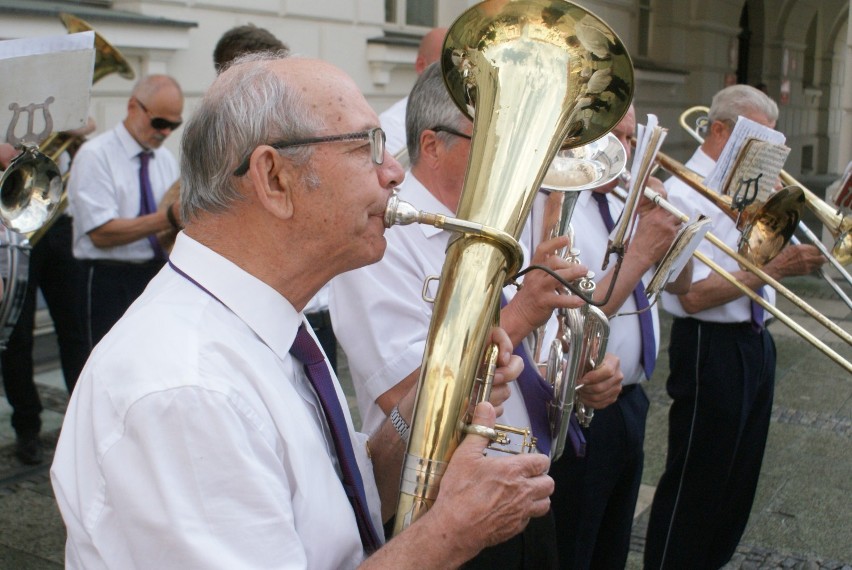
387,449
121,231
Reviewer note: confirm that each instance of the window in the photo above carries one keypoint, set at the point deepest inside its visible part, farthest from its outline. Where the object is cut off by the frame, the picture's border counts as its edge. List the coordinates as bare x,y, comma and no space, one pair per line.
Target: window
419,13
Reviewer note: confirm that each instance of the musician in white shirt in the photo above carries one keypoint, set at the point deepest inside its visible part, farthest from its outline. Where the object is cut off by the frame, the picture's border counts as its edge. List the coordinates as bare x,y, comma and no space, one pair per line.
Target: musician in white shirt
722,374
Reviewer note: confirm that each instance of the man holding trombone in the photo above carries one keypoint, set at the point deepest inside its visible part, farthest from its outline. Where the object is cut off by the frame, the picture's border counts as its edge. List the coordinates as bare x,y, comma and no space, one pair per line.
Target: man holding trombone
722,361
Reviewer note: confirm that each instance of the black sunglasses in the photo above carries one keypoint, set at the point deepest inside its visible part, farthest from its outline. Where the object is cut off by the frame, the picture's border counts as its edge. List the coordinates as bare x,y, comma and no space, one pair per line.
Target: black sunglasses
159,123
443,129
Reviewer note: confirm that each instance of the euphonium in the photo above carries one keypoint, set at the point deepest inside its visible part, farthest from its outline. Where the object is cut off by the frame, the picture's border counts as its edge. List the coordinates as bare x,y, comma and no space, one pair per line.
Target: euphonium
535,73
581,337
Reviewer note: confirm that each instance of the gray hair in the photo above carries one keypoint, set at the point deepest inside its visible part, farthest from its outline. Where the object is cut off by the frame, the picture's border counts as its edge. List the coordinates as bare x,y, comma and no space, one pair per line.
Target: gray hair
430,106
737,100
247,106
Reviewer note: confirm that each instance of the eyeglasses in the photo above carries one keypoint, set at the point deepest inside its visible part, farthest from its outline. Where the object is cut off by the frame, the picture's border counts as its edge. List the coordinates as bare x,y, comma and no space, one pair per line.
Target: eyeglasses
376,136
159,123
443,129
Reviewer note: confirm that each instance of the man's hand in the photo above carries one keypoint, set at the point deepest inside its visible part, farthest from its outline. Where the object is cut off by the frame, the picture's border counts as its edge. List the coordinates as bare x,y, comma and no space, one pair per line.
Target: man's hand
541,294
601,386
795,260
490,499
509,367
656,228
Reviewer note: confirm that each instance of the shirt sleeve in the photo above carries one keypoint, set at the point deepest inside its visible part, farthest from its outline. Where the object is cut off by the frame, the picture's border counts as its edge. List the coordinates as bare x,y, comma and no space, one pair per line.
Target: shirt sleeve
380,318
204,482
91,189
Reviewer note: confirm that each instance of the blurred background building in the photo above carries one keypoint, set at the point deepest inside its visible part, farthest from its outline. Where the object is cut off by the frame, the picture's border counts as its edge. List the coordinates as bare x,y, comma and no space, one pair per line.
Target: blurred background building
800,51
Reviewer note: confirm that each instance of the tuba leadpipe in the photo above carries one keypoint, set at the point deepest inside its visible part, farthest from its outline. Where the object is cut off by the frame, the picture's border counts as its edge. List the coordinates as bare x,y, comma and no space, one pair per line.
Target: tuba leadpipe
522,68
657,199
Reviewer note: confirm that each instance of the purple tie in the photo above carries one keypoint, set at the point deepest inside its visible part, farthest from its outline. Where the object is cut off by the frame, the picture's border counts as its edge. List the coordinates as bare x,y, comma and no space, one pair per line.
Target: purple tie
757,313
306,350
537,395
147,204
646,321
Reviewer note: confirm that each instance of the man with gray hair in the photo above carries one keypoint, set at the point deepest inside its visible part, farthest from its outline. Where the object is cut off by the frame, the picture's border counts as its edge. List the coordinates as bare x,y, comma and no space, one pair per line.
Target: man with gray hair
207,430
722,373
381,319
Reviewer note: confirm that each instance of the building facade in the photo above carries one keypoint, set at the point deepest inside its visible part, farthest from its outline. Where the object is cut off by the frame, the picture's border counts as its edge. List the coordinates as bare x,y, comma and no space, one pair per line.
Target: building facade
800,51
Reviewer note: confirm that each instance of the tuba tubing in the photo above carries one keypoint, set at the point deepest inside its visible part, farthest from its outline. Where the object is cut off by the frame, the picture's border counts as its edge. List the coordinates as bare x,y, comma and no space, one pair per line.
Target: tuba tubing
520,65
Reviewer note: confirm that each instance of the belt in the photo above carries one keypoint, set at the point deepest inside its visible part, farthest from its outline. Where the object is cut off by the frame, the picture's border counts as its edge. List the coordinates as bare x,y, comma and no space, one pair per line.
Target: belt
625,390
319,320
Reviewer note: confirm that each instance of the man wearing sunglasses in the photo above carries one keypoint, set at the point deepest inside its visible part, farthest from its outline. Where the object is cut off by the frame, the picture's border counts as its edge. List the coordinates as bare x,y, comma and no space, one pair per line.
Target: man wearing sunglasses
117,179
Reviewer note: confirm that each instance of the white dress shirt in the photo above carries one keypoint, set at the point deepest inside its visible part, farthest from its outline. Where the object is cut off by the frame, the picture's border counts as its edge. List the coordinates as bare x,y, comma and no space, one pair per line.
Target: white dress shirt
381,319
392,121
591,238
194,440
691,203
104,185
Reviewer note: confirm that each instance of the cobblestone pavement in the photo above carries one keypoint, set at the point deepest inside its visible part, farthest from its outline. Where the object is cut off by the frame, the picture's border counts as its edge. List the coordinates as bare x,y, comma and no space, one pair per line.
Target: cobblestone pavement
801,519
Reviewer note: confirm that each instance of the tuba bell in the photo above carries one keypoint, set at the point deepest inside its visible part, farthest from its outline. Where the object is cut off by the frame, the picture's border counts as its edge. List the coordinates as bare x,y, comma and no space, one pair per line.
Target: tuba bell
531,74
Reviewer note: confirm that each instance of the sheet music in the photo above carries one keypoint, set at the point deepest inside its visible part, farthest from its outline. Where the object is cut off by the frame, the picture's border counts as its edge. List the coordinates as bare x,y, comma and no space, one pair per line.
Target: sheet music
743,130
55,97
48,44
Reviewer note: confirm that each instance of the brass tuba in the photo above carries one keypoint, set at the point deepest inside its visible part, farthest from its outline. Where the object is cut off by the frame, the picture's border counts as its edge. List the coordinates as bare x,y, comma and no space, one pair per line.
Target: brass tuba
108,60
532,74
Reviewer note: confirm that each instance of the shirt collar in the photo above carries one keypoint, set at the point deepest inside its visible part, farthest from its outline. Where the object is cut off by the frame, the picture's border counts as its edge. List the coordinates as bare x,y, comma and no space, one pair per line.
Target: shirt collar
265,311
128,143
412,191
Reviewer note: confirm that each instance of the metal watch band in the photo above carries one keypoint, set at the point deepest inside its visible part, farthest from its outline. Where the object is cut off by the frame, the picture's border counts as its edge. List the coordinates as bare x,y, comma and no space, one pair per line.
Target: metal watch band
399,424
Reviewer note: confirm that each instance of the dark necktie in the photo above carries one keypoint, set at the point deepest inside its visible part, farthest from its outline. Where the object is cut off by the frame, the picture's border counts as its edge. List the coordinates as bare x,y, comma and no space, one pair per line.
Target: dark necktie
537,396
306,350
646,321
147,204
757,313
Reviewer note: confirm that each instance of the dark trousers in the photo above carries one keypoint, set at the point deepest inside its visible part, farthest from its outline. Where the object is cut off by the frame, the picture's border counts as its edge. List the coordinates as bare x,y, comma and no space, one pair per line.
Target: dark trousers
111,287
722,383
595,495
533,549
54,270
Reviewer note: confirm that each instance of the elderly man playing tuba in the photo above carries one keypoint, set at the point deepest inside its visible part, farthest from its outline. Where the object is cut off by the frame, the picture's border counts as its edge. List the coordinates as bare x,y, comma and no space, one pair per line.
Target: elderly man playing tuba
207,430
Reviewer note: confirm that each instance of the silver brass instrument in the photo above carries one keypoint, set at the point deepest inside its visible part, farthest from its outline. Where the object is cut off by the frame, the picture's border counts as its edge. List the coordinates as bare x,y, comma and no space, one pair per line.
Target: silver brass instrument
526,71
108,60
582,333
30,190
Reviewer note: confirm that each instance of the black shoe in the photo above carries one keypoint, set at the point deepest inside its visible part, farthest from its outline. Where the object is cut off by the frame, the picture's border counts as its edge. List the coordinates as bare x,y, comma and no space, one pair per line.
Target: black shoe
29,449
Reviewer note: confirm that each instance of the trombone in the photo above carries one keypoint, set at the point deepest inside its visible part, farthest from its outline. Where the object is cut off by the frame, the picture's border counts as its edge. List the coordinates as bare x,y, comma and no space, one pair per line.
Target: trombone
747,264
839,226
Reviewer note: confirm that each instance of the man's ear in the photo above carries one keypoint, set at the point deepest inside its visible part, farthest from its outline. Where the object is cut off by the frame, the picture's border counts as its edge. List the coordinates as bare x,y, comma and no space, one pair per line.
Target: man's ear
429,148
273,180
